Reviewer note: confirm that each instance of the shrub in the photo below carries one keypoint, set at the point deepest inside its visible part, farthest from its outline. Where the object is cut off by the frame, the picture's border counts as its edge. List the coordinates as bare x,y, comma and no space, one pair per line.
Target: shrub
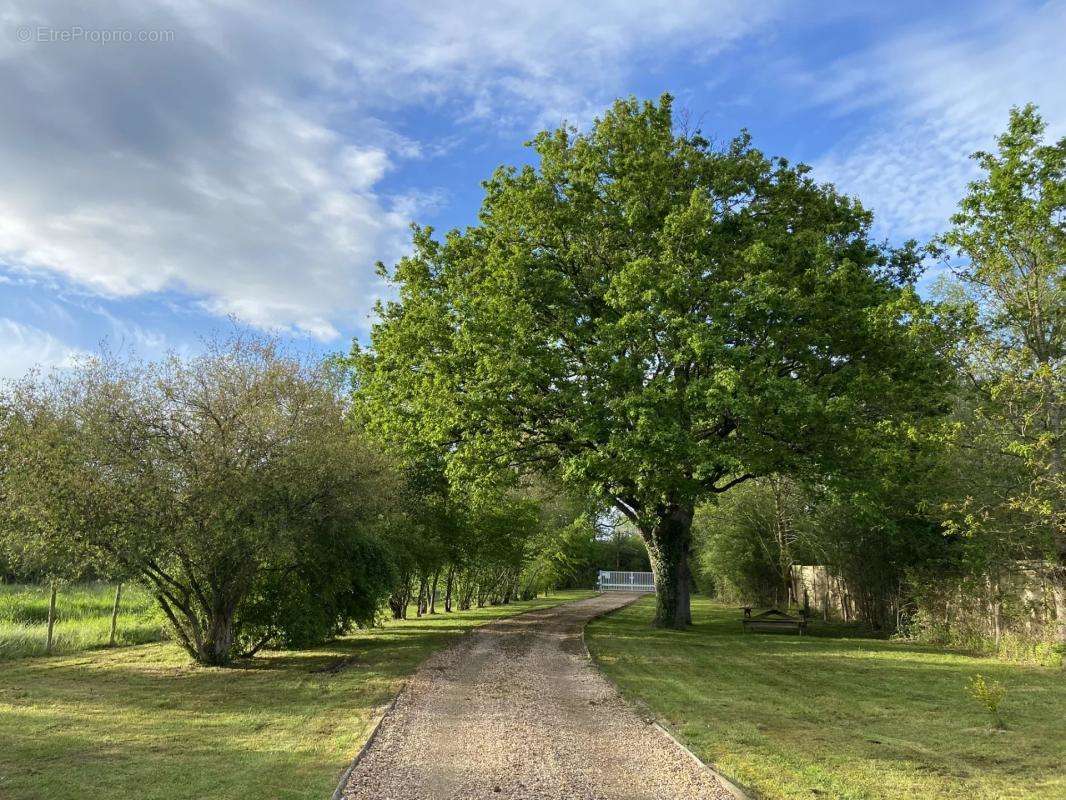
989,693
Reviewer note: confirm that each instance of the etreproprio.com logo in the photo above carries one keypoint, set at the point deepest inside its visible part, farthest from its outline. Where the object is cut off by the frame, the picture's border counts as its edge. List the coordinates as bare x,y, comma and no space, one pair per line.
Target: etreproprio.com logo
44,34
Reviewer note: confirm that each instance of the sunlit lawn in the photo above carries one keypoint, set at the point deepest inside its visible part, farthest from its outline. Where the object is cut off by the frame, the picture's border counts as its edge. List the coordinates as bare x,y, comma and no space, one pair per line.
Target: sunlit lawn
142,722
836,715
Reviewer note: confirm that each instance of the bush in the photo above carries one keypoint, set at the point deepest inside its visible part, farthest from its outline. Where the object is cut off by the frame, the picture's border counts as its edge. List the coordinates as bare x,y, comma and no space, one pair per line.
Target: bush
339,585
989,693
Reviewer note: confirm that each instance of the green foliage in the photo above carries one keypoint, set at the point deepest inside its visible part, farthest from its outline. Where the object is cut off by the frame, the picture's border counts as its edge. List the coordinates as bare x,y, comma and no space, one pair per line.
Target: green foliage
871,534
883,548
654,319
989,693
747,541
337,584
937,525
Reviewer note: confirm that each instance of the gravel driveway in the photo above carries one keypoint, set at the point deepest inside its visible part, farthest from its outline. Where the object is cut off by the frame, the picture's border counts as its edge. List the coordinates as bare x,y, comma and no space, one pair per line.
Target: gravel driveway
516,710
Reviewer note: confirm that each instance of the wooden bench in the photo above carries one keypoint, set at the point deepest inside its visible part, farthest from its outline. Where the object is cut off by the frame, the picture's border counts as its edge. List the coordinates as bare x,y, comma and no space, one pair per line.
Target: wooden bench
773,620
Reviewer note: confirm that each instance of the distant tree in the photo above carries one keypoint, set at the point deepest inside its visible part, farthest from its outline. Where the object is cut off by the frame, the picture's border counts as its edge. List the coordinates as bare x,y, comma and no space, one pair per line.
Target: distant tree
1010,234
53,560
561,548
229,483
748,541
657,321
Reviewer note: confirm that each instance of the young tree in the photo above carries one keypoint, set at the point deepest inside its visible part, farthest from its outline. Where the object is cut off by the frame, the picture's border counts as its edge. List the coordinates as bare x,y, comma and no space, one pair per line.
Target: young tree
656,319
1010,232
52,559
230,483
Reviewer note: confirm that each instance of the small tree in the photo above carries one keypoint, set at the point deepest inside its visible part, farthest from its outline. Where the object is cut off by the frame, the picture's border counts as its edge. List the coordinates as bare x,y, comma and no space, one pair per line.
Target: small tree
229,483
53,558
749,540
657,320
989,693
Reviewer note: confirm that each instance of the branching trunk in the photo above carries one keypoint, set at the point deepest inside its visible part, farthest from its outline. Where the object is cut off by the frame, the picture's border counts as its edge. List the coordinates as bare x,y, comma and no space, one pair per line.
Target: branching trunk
467,597
401,598
206,632
423,603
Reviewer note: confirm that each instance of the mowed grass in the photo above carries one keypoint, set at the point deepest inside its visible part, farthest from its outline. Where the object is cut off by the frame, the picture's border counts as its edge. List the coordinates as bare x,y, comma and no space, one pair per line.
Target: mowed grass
836,715
144,722
83,618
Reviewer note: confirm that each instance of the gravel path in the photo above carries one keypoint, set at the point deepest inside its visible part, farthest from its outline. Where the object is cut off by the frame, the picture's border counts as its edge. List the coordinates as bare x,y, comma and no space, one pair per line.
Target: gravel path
516,710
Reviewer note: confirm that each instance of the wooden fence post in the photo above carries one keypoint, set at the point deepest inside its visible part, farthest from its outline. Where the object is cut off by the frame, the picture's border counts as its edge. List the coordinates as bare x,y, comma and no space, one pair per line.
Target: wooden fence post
51,618
114,616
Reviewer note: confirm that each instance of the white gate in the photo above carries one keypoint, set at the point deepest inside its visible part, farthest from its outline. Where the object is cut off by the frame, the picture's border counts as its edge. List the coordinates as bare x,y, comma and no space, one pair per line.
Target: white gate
625,581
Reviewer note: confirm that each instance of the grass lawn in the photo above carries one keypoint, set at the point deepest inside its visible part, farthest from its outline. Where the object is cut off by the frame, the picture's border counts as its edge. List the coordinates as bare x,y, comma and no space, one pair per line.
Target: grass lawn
143,722
835,715
83,618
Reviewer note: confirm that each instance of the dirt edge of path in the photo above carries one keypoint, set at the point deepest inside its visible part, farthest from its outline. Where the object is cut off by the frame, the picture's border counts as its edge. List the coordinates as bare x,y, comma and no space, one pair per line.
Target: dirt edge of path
727,783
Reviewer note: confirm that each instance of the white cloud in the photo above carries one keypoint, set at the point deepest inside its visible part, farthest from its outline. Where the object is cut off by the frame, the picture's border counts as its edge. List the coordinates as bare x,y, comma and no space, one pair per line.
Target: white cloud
26,347
242,161
531,64
932,98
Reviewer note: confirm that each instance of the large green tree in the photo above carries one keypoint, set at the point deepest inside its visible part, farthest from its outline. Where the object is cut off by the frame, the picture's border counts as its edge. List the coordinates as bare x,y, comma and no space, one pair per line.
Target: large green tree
657,319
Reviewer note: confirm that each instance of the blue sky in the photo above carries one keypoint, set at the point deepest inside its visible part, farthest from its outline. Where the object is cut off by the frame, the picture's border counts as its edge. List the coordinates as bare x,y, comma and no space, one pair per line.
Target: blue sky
252,160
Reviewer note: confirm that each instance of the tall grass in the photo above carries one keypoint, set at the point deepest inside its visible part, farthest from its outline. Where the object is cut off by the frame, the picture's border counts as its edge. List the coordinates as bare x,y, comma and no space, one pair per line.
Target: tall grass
83,618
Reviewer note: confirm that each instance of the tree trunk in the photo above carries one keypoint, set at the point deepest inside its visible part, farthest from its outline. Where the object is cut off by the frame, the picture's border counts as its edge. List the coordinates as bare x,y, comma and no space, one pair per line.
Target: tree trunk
400,598
467,596
217,649
114,616
397,603
449,584
433,593
423,601
51,618
669,544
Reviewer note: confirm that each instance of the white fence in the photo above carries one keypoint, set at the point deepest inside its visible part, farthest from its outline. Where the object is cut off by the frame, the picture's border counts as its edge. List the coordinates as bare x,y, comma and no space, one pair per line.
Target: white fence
625,581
